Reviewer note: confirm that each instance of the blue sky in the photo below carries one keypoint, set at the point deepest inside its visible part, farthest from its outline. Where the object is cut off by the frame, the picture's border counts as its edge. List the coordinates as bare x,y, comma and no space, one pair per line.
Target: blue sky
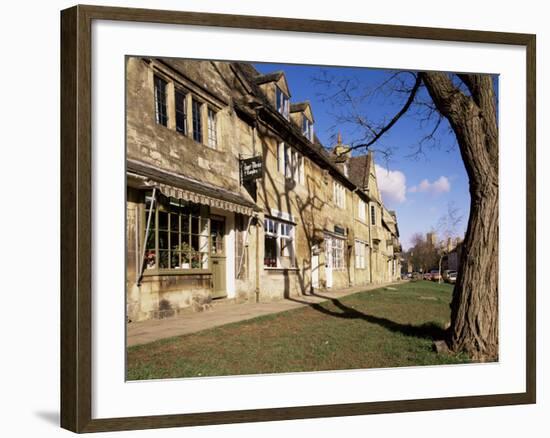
420,189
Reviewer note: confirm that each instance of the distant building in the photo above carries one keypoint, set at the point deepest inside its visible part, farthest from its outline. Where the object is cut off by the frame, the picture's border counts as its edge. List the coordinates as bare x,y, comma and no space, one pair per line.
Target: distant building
384,247
452,259
431,238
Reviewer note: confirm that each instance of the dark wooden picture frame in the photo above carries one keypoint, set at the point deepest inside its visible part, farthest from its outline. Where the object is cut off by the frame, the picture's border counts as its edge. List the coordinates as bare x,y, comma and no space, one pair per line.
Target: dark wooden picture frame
76,218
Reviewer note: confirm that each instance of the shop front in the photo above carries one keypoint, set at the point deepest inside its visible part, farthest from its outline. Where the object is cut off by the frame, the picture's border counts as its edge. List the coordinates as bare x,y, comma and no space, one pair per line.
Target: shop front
182,251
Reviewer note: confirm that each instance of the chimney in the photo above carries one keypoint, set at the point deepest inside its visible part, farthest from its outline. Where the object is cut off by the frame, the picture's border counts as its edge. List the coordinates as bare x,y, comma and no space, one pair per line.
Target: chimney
341,151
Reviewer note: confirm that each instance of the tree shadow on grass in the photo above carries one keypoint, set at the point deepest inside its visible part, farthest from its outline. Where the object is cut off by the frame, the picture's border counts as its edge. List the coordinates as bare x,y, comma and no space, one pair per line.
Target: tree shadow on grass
429,330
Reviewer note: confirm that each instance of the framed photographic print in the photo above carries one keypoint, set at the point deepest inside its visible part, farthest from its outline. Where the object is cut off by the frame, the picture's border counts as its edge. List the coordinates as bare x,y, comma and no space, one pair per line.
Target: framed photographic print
268,219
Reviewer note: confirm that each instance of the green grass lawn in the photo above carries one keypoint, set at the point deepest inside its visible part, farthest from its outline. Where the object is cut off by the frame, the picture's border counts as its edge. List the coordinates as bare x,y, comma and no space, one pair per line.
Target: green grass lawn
374,329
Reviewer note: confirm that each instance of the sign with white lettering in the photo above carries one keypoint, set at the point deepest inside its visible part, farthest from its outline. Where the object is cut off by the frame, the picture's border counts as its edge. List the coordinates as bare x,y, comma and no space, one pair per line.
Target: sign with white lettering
251,168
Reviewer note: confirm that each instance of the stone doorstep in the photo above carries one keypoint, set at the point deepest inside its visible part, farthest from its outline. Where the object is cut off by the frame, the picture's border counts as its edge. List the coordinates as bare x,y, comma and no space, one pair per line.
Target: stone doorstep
217,303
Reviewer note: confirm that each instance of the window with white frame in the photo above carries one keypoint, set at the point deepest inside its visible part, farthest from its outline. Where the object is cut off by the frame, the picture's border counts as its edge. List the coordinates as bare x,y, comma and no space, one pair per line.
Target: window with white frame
360,254
307,128
362,210
212,129
283,103
290,163
338,254
339,195
278,244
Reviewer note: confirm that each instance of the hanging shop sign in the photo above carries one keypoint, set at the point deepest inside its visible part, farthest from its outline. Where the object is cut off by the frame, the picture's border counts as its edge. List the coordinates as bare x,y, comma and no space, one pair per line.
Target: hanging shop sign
251,168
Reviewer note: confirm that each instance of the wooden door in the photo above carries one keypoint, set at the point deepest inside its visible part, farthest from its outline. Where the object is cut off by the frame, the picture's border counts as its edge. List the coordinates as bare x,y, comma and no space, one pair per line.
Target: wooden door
218,257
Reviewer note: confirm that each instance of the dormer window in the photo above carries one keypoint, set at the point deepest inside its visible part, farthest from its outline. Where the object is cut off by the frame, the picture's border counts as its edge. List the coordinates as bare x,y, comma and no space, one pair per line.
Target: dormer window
283,103
307,128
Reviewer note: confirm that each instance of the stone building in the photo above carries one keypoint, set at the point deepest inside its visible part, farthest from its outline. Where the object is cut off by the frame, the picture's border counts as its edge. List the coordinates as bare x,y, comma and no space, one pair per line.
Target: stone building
431,238
199,228
384,246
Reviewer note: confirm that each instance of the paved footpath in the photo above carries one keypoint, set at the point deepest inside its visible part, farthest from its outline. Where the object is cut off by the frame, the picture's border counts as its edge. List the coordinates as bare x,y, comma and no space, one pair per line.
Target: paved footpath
143,332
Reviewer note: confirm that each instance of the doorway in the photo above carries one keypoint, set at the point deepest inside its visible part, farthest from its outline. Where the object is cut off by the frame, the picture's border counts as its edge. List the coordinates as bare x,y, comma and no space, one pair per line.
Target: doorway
218,256
328,261
314,268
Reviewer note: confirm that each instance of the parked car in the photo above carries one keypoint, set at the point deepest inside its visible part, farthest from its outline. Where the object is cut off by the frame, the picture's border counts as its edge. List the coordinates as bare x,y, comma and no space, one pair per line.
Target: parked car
427,276
434,275
451,278
445,274
416,276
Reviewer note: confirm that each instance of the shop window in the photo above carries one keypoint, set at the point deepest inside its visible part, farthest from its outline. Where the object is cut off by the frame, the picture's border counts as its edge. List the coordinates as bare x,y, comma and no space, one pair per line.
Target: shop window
161,112
270,257
178,236
278,244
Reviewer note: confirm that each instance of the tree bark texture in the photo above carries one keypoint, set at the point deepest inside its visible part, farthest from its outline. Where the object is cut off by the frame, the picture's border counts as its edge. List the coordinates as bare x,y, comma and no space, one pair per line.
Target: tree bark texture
472,116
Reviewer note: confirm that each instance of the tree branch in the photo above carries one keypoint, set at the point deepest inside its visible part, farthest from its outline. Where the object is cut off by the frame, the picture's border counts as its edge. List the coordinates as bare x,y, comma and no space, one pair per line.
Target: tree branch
395,118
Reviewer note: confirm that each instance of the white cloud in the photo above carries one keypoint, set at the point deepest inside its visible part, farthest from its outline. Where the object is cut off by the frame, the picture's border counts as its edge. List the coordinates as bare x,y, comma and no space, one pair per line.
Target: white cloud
391,183
440,185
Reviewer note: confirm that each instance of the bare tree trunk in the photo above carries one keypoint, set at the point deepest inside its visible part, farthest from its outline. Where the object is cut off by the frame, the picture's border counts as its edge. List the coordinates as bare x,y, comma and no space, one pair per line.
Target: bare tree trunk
474,307
439,278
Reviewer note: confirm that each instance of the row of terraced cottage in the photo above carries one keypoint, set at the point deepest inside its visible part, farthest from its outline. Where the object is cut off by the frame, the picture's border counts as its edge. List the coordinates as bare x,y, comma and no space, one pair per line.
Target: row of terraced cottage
230,194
